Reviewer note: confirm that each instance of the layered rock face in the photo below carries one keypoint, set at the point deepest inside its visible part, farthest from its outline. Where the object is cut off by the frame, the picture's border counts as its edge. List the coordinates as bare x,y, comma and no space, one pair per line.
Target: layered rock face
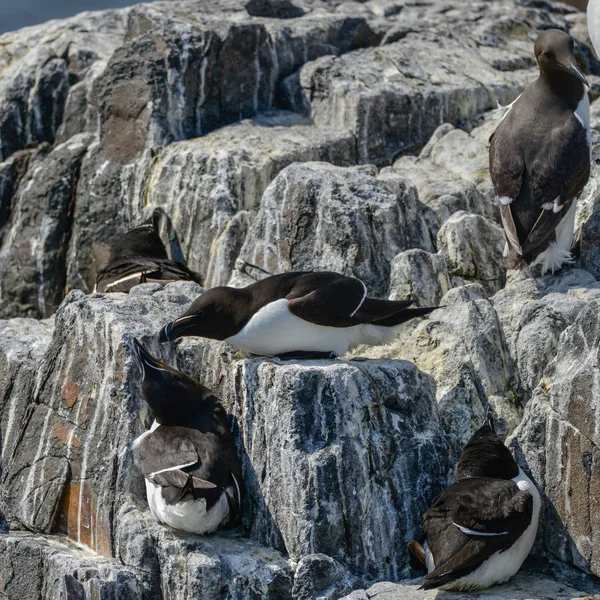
282,136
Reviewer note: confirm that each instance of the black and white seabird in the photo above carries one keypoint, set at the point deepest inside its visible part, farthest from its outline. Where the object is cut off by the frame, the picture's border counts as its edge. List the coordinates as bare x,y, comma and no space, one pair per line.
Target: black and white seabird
140,256
540,158
482,527
188,458
318,313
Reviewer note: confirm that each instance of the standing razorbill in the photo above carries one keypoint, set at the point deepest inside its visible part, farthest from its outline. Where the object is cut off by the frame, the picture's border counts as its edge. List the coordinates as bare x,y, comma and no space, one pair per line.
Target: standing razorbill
318,313
482,527
540,158
188,458
139,256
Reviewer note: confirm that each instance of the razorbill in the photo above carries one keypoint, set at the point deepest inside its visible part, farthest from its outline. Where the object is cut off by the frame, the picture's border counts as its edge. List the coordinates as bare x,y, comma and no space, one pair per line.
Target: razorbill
540,158
139,256
188,458
482,527
317,313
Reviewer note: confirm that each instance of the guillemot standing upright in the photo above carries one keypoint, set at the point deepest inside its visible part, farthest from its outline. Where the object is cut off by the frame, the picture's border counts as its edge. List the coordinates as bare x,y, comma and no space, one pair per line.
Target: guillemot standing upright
318,313
540,158
188,458
482,527
139,256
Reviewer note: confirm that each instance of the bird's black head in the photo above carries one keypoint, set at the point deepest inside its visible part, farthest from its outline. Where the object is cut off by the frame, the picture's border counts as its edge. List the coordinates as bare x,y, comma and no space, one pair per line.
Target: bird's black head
217,314
143,240
554,52
174,398
485,455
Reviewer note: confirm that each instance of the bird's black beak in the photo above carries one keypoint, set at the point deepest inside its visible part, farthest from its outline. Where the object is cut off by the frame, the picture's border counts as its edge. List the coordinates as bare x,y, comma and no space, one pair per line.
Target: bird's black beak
176,328
143,356
574,70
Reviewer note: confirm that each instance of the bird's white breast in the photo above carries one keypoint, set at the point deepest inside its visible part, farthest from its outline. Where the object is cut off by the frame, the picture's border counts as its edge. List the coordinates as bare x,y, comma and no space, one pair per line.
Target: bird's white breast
501,566
275,330
582,114
191,515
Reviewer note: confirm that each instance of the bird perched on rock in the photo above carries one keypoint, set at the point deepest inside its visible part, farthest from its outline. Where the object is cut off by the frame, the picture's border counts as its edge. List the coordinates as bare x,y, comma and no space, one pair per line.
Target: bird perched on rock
303,313
188,458
139,256
482,527
540,158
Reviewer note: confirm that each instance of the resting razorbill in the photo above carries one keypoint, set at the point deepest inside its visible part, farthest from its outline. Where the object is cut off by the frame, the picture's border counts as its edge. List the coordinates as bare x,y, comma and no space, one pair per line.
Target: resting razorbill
482,527
318,313
540,158
139,256
188,458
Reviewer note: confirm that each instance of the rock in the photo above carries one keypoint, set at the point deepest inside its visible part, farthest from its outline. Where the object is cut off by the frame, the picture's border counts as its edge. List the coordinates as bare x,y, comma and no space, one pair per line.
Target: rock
33,567
315,433
534,312
472,247
310,435
419,276
320,576
520,587
451,173
557,441
394,97
39,232
204,183
317,216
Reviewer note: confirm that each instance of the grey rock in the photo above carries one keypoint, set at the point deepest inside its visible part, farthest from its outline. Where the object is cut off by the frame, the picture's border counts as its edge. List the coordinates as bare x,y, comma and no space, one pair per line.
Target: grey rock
317,216
39,231
472,247
451,173
419,276
343,435
520,587
204,183
393,98
320,576
557,441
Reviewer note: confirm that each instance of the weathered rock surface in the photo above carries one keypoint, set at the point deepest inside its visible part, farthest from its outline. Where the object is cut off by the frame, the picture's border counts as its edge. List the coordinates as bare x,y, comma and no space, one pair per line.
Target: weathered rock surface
155,84
317,216
521,587
281,135
558,441
310,434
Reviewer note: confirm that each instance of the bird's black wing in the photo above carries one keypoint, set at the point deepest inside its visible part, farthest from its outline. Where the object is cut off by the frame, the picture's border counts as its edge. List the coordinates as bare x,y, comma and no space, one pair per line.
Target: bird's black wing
471,520
336,300
552,171
191,464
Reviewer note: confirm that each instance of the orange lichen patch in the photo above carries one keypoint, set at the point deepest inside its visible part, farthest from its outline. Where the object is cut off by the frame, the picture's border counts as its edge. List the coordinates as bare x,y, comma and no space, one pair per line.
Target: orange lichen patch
65,435
85,526
70,393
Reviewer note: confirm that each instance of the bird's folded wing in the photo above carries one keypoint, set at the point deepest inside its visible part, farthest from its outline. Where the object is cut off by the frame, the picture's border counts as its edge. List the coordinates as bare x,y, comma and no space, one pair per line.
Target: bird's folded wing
166,450
178,486
331,302
471,520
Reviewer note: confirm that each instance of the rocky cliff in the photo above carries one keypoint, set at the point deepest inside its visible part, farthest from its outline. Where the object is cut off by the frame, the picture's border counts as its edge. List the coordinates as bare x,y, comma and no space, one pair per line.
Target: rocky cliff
314,135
